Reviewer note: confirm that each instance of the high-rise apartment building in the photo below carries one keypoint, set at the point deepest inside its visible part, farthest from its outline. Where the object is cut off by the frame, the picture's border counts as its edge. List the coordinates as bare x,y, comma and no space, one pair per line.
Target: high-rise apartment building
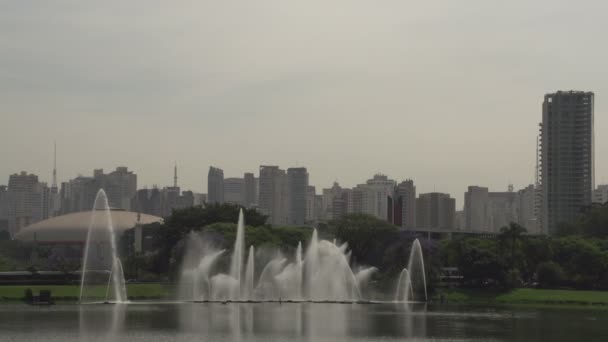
251,185
476,208
297,185
311,207
600,194
234,191
406,202
502,209
526,215
215,185
148,201
566,157
79,193
120,186
435,211
375,198
3,208
273,197
26,201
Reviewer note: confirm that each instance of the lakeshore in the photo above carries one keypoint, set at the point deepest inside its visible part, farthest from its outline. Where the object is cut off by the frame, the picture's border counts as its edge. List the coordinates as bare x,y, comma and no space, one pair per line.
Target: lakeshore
71,293
524,296
157,291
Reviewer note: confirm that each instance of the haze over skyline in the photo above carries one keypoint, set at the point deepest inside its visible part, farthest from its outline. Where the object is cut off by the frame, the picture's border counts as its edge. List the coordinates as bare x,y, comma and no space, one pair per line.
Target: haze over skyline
447,95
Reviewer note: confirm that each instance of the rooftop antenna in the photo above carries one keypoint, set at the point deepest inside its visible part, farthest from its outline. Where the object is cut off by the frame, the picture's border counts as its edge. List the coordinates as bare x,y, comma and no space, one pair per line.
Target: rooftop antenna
175,175
55,164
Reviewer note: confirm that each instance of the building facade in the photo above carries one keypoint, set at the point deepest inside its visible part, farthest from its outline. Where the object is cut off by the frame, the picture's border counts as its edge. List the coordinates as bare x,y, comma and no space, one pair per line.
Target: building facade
526,214
120,186
26,201
476,208
406,201
273,198
234,191
600,194
215,185
435,211
311,206
502,209
3,208
251,185
297,186
567,157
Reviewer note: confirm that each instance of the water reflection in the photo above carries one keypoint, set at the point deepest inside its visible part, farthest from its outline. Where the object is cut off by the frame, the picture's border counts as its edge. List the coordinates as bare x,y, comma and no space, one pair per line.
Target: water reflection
101,322
298,322
301,321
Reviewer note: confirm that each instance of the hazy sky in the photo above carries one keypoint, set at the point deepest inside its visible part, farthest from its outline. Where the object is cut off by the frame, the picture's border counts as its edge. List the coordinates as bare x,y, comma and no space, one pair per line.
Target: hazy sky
447,92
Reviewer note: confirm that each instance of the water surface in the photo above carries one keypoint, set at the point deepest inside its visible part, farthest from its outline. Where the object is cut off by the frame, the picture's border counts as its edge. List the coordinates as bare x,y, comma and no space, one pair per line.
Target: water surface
298,322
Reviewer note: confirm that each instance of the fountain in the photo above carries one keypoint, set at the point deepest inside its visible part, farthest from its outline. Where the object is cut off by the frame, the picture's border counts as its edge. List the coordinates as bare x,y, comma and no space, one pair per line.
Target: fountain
323,273
102,274
407,288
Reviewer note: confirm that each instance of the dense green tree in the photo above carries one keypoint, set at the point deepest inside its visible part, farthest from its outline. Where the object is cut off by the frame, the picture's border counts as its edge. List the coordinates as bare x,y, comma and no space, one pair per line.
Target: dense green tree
479,262
363,233
585,264
535,250
549,274
183,221
510,242
593,222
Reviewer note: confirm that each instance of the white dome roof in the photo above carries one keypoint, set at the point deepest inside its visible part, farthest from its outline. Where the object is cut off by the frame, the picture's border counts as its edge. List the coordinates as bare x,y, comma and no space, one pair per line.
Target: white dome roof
74,227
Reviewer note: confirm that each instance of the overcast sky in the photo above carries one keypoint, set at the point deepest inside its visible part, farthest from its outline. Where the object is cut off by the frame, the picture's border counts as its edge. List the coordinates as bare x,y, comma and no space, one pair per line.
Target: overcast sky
447,92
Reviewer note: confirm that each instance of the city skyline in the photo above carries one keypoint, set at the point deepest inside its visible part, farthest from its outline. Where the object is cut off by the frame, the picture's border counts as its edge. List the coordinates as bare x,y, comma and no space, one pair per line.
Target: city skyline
413,91
254,171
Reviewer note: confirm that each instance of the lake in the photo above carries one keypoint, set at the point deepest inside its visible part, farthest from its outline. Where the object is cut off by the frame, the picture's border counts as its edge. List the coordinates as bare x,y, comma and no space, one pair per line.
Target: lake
299,322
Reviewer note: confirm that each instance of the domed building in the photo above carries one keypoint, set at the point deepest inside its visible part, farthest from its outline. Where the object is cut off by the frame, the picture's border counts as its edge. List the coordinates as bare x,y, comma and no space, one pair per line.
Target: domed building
72,229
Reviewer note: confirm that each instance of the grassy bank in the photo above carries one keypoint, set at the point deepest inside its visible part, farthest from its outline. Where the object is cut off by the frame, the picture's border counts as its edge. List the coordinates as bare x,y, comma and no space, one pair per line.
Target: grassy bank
525,296
72,292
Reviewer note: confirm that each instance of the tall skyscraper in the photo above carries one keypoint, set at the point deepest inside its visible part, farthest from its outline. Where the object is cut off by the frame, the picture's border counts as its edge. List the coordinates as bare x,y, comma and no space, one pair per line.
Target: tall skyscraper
311,207
335,203
148,201
297,184
406,201
26,197
234,191
120,185
476,208
375,198
3,208
567,157
526,215
215,185
435,211
273,199
502,209
251,198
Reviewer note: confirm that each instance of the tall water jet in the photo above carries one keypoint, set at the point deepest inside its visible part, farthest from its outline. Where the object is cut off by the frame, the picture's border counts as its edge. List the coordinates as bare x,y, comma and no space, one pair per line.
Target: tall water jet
249,274
413,278
311,265
415,266
300,270
289,281
404,291
322,273
237,256
197,266
268,286
101,264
